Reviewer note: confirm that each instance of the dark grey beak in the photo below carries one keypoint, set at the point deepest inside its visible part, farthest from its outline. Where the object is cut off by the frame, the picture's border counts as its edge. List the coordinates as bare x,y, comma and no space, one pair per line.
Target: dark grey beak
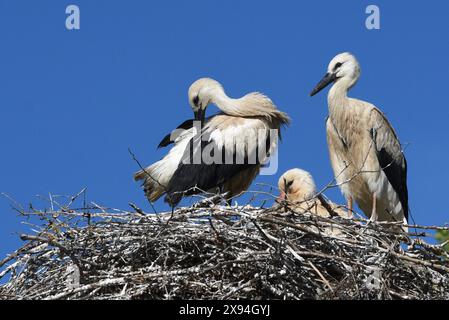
285,186
200,115
327,80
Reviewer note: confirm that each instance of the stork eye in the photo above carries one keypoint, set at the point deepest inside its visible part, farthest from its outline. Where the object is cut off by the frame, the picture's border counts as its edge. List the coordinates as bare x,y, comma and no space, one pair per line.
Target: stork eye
337,65
196,100
289,184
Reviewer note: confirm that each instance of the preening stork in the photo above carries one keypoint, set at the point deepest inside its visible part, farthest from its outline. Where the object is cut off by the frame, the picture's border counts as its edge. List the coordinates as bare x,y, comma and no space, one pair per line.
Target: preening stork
366,155
298,188
225,151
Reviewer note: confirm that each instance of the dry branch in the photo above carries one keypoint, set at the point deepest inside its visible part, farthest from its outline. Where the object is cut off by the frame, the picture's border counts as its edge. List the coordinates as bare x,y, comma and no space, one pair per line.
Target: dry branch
219,253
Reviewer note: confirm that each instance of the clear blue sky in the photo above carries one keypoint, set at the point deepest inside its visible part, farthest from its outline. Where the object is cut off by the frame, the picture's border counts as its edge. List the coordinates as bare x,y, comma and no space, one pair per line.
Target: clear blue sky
72,102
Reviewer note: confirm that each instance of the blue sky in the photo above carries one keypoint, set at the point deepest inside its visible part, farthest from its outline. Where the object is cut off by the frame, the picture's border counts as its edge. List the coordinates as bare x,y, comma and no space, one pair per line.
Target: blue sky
72,102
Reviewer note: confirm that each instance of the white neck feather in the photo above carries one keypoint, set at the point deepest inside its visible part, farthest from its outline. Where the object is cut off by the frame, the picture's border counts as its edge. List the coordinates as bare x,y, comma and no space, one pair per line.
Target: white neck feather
338,94
226,104
251,105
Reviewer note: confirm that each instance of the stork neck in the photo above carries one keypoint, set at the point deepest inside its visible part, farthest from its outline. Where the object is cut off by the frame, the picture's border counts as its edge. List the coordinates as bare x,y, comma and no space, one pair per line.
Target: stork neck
226,104
241,107
338,95
251,105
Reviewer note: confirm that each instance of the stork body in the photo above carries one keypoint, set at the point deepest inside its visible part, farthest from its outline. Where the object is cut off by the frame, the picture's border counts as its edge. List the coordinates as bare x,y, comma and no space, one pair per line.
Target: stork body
365,152
219,152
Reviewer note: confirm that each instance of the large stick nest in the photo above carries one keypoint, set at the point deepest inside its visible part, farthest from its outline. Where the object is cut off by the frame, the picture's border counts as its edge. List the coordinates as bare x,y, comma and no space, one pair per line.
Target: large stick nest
217,252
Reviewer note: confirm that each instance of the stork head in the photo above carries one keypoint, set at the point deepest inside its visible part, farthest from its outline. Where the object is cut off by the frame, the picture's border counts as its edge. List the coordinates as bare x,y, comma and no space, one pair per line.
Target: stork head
201,93
343,67
296,185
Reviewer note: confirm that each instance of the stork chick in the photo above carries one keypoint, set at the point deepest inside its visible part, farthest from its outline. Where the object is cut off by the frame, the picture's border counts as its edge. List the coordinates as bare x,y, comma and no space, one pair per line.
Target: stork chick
297,187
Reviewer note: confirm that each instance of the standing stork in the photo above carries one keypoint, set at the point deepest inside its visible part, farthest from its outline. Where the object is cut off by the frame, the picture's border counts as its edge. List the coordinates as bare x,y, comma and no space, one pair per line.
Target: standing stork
222,151
366,155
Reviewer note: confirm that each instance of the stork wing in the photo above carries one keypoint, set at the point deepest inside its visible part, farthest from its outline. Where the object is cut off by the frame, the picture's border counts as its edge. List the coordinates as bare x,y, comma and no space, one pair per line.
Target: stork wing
172,136
226,146
390,155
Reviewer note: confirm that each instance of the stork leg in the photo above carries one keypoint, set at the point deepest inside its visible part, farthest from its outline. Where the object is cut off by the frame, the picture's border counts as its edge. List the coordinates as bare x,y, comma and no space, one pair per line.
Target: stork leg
350,207
227,197
374,216
172,215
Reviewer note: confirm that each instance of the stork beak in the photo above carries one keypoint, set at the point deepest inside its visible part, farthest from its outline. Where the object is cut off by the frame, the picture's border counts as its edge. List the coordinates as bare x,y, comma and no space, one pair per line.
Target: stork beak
281,197
327,80
200,115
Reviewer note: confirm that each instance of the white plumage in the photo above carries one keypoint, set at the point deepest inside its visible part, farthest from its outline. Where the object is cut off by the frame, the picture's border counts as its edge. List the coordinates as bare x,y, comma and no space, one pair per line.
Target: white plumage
225,151
157,176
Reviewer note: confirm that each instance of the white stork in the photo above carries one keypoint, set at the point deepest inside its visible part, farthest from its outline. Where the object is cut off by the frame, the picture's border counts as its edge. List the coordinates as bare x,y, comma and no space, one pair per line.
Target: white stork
298,188
366,155
223,152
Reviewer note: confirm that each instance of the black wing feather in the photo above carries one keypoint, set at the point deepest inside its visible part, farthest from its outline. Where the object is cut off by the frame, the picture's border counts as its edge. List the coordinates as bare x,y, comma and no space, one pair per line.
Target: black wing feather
202,176
169,139
396,172
394,167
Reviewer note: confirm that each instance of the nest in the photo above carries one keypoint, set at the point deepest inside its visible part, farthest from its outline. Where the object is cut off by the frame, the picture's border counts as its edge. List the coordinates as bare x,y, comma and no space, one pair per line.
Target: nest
221,252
